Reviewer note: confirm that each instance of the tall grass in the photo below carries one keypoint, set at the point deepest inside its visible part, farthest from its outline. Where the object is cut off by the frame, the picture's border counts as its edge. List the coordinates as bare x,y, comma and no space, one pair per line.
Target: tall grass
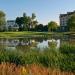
12,69
62,59
67,61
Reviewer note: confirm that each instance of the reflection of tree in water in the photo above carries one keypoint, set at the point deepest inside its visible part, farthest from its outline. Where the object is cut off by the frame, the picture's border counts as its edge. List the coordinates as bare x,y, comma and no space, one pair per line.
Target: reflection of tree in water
2,47
52,44
27,46
40,39
23,41
72,41
23,48
68,40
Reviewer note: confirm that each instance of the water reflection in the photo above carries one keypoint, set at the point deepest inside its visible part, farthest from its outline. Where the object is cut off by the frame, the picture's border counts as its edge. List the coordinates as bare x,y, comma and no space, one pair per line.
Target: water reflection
49,43
28,43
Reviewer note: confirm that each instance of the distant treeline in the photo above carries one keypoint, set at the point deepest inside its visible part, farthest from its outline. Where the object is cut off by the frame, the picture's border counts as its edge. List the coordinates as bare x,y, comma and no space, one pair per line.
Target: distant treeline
30,23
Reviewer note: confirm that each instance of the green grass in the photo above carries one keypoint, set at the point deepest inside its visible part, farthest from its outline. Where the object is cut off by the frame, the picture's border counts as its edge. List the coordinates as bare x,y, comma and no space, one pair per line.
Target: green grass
63,59
29,33
20,34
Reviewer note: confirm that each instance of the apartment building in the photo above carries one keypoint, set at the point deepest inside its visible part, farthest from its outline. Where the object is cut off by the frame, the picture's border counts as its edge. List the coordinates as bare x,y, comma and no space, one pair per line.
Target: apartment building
63,20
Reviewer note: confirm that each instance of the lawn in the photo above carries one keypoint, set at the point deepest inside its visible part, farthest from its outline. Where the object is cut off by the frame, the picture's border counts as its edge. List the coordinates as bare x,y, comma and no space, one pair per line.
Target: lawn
21,34
29,33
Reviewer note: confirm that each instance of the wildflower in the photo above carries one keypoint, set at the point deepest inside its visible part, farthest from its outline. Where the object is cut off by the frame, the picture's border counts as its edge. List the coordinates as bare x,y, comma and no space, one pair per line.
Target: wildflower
24,72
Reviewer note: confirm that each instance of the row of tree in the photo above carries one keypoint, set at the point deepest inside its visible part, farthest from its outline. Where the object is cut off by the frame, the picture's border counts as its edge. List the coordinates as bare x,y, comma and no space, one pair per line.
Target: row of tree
30,23
27,23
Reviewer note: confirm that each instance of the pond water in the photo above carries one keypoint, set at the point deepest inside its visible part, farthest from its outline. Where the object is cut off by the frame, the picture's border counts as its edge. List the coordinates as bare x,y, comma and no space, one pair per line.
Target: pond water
27,43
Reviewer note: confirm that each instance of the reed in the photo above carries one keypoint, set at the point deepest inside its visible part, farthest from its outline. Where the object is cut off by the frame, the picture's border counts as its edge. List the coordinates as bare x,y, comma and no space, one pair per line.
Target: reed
62,59
33,69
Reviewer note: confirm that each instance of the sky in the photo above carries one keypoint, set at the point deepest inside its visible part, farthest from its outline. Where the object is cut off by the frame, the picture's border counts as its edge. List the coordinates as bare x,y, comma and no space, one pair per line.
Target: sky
45,10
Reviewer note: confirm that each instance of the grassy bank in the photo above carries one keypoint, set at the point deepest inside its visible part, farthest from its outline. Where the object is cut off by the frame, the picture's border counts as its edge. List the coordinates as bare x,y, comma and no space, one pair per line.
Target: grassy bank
37,34
63,59
21,34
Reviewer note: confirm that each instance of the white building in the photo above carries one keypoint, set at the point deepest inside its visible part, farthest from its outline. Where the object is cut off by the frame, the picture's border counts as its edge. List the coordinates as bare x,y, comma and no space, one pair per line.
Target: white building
11,25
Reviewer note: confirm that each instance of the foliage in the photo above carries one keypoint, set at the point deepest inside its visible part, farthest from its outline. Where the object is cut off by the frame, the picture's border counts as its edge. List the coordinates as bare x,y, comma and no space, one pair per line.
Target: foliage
71,23
26,22
19,21
33,21
52,26
41,28
68,57
2,20
63,59
45,28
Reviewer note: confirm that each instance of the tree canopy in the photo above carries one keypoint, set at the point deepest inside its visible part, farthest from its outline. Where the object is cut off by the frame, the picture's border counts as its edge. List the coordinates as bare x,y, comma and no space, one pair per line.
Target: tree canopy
26,22
2,18
2,21
71,23
52,26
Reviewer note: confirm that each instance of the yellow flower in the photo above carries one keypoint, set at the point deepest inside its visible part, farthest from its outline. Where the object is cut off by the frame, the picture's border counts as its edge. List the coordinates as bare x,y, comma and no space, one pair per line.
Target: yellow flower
24,72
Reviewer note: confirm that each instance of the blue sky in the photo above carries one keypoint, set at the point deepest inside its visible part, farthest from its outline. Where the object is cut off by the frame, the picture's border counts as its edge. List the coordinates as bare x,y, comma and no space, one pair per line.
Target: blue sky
46,10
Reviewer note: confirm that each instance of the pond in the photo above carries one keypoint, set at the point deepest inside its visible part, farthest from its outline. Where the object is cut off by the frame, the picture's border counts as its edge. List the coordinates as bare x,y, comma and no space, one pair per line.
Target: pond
27,43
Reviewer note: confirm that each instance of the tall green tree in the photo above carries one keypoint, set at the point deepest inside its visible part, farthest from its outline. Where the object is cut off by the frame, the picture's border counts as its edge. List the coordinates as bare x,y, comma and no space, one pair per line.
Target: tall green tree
33,16
45,28
71,23
52,26
2,20
24,14
19,21
33,21
39,28
26,23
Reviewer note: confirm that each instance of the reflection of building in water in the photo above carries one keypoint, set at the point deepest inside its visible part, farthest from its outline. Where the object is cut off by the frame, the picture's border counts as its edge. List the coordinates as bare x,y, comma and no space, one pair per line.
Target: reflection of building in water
13,42
48,43
9,42
54,43
28,43
67,40
43,44
17,43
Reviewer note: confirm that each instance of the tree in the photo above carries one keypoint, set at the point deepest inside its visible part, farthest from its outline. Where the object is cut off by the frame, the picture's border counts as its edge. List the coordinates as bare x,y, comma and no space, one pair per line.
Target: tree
39,27
33,21
33,16
26,22
71,23
24,14
19,21
52,26
2,20
45,28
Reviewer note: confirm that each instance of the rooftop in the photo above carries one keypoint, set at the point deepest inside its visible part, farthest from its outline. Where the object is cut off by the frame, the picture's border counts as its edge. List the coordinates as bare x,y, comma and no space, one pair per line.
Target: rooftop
68,13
